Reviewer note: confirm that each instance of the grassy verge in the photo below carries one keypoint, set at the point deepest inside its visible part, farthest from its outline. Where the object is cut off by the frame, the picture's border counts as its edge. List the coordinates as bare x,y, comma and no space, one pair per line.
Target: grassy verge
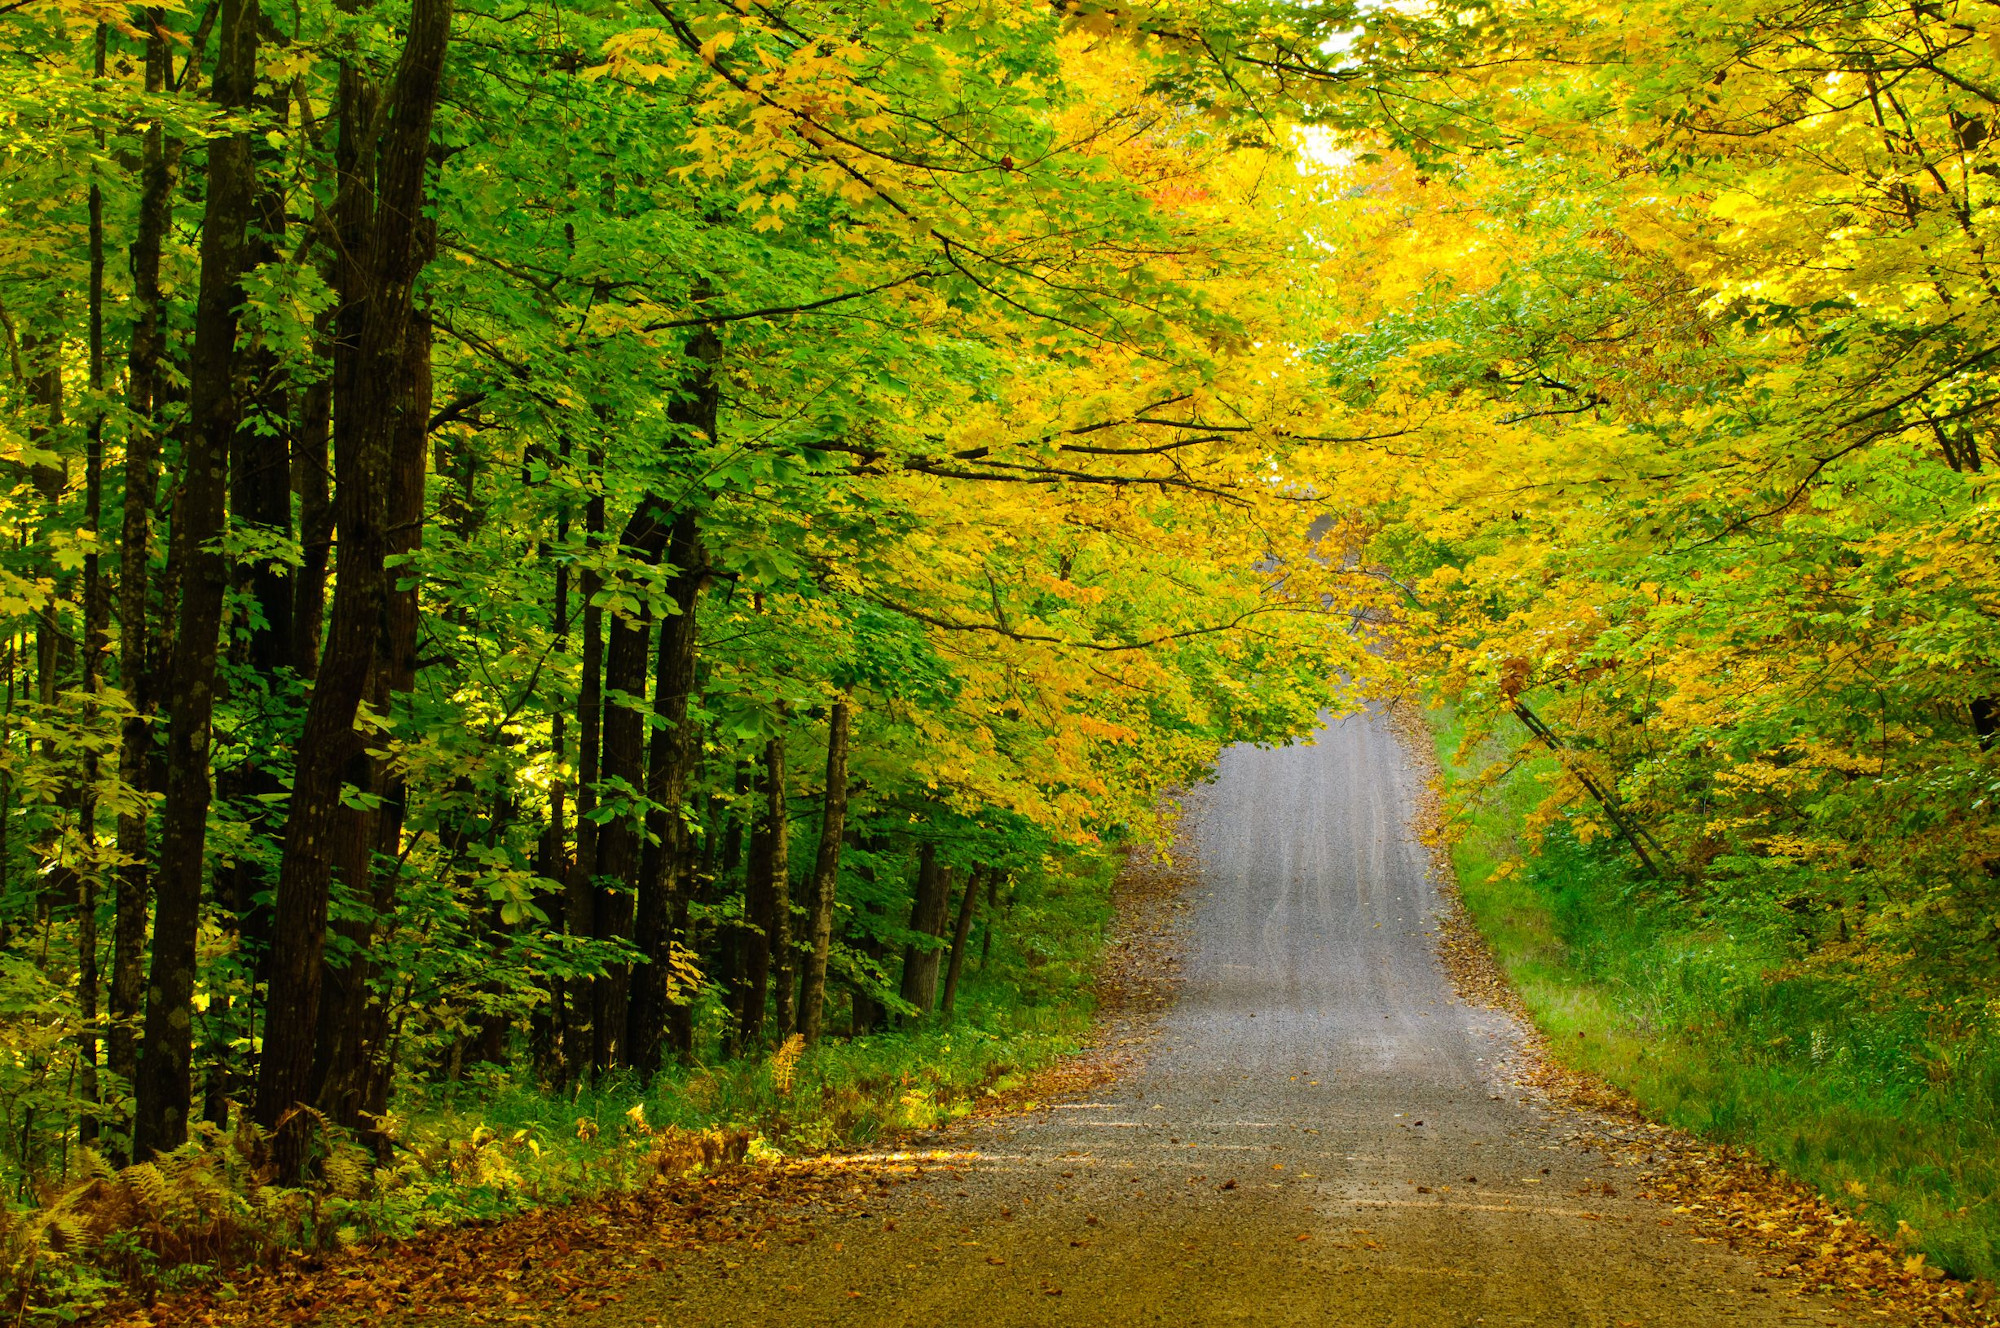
495,1144
1883,1097
486,1150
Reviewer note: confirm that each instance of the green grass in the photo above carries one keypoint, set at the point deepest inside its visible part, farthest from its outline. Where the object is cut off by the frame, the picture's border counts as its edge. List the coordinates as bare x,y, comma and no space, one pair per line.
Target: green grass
494,1143
530,1146
1882,1098
497,1142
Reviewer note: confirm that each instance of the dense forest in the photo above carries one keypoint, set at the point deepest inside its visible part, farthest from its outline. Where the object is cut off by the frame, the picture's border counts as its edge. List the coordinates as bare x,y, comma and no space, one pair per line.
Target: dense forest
557,542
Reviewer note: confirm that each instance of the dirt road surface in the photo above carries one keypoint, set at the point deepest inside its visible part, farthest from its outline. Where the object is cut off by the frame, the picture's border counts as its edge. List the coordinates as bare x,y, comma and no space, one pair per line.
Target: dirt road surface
1321,1133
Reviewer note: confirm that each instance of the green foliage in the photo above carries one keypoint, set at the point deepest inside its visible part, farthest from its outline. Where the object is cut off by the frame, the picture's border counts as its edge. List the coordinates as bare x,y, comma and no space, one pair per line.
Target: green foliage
493,1140
1887,1099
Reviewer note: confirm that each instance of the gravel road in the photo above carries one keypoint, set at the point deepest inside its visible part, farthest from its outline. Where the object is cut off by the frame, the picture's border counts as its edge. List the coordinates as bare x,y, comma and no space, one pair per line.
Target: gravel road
1322,1133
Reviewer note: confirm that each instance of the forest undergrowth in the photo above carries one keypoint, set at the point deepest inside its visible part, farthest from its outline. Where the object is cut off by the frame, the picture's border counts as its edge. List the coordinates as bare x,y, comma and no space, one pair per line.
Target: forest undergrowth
495,1145
1880,1089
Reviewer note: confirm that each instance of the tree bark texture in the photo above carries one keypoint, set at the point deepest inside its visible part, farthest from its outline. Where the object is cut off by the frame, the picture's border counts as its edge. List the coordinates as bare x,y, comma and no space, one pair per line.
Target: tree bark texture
778,831
351,1073
666,871
733,937
758,924
312,481
88,978
580,903
928,911
622,775
136,667
968,903
164,1086
378,282
826,875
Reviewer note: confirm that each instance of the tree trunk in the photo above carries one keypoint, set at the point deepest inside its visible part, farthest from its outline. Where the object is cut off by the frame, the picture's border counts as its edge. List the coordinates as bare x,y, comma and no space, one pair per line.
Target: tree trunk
698,885
552,859
135,667
779,831
733,938
676,748
164,1086
580,904
867,1012
967,904
382,278
312,480
928,909
58,875
351,1070
260,463
87,975
622,773
758,923
260,504
826,874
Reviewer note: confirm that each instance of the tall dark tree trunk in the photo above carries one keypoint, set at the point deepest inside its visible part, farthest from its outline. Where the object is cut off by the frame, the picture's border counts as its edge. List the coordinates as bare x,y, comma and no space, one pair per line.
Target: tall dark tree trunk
778,830
380,279
351,1081
135,666
759,922
867,1012
51,480
164,1085
967,904
580,903
701,886
552,853
826,875
928,910
733,938
622,771
260,462
94,621
396,648
312,480
666,871
260,505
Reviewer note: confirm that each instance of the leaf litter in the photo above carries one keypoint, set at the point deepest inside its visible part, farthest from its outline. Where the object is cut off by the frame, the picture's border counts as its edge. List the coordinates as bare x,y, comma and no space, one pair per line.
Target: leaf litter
583,1255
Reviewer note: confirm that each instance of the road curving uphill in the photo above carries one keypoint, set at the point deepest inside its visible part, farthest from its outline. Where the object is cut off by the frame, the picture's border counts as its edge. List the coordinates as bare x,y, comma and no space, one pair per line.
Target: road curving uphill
1322,1133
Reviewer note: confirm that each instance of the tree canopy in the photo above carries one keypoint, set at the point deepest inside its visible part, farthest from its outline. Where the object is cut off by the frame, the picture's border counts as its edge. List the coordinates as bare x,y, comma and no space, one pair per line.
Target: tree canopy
582,536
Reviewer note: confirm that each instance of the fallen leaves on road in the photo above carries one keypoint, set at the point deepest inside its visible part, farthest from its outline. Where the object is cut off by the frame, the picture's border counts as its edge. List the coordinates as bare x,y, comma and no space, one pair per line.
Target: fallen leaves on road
575,1257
